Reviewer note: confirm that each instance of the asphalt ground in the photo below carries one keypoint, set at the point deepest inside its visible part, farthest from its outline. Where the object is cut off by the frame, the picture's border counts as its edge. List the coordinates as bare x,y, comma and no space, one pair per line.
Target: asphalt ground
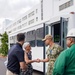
3,68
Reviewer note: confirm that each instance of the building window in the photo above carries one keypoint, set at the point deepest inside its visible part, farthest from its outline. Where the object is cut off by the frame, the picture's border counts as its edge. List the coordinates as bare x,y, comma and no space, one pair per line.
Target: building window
39,36
13,40
46,30
36,18
66,5
30,37
23,25
24,18
10,38
9,31
19,21
36,10
31,21
19,27
41,9
31,14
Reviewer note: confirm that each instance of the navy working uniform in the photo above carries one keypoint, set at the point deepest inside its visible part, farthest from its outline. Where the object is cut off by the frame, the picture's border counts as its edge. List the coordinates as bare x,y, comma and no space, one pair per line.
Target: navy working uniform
52,54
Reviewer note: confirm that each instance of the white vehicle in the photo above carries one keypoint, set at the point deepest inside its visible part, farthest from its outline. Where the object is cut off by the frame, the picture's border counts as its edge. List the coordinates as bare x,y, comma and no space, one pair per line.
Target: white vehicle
56,25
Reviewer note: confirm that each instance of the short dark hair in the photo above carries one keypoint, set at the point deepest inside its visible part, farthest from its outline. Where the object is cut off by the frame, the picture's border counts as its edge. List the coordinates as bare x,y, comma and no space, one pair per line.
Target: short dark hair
20,37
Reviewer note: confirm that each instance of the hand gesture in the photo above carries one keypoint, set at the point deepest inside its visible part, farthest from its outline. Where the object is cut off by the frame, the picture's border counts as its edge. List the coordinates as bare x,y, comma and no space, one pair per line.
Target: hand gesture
37,60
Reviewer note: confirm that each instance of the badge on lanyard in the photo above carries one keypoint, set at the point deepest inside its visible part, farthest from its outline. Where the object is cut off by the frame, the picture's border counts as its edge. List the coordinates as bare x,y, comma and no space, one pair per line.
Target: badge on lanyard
50,51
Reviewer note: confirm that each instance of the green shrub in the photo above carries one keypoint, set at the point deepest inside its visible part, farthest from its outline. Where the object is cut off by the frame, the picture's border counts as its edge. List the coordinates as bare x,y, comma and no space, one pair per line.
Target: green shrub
4,45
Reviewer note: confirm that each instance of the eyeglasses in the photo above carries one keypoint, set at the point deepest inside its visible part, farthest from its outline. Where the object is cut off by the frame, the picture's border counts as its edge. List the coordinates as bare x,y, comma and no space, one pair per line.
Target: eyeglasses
68,38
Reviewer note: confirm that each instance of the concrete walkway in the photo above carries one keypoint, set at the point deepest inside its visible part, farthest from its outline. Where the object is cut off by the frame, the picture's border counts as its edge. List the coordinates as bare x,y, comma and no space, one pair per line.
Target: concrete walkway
2,66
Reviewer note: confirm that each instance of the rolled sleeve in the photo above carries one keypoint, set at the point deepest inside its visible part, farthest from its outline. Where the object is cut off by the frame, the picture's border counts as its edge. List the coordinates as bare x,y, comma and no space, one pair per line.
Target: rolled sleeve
47,53
59,49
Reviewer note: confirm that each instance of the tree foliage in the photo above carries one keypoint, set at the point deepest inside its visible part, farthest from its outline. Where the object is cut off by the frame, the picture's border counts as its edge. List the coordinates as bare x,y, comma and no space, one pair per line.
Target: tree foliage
4,45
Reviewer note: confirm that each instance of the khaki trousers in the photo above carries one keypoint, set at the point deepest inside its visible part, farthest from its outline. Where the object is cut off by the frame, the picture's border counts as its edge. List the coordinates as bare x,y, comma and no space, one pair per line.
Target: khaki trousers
10,73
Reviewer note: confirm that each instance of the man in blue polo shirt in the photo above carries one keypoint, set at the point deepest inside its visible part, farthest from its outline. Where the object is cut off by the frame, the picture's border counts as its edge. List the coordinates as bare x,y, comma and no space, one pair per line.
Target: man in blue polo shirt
16,57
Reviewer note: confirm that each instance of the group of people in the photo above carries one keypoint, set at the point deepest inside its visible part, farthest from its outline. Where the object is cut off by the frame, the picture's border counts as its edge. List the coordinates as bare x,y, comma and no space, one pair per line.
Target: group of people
61,62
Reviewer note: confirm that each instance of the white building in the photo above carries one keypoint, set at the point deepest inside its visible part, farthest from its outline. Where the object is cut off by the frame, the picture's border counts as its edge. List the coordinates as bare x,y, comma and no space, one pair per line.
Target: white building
3,26
58,16
43,12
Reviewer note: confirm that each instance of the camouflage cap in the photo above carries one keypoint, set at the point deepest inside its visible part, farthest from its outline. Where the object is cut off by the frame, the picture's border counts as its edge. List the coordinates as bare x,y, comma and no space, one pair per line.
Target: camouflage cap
47,37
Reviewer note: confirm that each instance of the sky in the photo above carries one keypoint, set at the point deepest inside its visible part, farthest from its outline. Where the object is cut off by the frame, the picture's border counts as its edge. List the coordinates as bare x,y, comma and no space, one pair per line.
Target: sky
11,9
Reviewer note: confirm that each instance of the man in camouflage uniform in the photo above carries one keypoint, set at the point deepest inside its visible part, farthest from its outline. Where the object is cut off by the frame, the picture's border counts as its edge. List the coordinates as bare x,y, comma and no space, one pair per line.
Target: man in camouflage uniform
52,53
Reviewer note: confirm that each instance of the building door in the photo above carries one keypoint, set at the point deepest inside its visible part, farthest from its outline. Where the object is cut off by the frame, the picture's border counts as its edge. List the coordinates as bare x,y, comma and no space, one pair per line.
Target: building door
59,32
64,25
